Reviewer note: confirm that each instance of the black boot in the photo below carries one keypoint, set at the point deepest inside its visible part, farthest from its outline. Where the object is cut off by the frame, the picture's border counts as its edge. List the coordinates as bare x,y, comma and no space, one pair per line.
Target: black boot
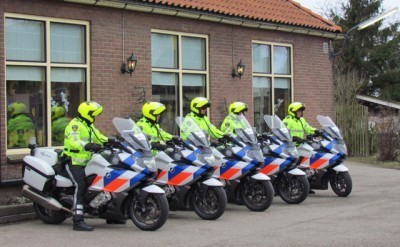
82,226
311,192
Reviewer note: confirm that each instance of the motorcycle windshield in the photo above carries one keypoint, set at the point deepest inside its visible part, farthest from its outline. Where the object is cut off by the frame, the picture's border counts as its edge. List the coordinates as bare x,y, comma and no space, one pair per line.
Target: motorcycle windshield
328,125
245,131
131,133
194,133
277,127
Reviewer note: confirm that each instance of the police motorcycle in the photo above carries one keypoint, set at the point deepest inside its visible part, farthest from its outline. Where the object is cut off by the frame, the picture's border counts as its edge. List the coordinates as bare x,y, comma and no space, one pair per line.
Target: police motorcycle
115,191
280,162
322,156
185,173
239,161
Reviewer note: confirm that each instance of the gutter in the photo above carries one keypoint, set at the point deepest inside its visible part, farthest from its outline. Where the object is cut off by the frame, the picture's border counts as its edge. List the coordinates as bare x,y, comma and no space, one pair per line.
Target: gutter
191,14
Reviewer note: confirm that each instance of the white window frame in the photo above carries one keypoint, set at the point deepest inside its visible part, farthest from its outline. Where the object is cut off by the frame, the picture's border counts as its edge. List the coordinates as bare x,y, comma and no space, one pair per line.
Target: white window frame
181,71
48,65
272,75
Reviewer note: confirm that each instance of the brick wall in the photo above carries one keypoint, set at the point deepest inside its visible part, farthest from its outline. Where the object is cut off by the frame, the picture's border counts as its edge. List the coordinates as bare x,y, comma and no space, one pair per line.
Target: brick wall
227,45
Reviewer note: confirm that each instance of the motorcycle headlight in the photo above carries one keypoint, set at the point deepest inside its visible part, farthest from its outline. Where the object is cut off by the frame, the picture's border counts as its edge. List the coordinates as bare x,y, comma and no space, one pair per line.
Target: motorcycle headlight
150,164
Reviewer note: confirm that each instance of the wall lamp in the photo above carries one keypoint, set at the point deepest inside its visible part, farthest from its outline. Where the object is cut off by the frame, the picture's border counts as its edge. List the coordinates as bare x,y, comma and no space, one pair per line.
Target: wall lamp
361,26
130,65
238,72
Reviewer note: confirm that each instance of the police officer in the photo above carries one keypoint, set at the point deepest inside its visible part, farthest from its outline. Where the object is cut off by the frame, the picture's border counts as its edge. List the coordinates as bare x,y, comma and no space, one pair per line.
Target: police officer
295,122
81,137
297,125
233,120
198,110
59,122
19,127
149,123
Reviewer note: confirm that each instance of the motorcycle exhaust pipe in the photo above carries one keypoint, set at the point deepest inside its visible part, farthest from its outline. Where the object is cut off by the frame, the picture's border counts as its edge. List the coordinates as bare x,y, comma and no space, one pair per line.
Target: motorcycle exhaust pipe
47,202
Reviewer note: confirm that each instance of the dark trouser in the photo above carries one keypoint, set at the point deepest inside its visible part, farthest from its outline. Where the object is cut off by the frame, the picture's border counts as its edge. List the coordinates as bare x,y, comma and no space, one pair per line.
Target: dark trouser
77,175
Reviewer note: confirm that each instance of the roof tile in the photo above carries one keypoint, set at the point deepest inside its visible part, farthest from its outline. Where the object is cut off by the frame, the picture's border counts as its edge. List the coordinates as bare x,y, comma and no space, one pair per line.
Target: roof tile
286,12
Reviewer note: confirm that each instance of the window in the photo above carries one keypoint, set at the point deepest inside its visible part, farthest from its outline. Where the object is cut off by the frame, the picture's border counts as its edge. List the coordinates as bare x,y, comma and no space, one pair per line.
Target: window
179,73
46,77
272,81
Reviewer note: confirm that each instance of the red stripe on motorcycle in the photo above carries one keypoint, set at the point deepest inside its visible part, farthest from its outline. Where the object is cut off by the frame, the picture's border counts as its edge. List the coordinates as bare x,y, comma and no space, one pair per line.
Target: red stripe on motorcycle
316,164
115,184
161,174
268,169
96,179
304,160
179,178
229,173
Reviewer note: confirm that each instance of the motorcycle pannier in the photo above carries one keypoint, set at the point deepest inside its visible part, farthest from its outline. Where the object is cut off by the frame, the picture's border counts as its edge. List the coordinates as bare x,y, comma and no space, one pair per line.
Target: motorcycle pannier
37,173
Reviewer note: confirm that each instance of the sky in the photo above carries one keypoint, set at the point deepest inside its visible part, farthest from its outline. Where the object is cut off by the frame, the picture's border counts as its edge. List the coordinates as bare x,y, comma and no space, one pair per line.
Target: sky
318,6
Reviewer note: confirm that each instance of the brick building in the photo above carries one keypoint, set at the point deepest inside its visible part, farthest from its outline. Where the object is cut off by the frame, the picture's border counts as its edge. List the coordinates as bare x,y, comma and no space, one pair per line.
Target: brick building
58,53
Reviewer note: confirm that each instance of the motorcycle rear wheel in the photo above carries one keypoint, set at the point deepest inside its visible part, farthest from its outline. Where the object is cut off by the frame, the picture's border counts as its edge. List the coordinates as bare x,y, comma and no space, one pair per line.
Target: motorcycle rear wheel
257,195
153,215
294,190
341,183
49,216
210,204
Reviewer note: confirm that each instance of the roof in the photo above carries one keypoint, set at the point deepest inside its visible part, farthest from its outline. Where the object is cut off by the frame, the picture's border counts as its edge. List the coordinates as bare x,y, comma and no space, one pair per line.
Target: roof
377,101
286,12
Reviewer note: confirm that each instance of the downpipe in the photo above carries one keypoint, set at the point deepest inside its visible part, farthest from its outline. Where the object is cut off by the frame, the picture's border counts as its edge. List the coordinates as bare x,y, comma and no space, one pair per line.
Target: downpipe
47,202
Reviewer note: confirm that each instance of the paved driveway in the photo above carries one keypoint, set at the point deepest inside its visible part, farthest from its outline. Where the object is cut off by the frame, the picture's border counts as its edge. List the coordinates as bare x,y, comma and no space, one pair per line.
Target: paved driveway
370,216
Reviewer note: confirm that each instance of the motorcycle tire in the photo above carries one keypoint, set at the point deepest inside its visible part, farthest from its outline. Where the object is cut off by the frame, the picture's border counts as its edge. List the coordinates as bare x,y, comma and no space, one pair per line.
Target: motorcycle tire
294,190
341,183
153,216
209,205
257,195
49,216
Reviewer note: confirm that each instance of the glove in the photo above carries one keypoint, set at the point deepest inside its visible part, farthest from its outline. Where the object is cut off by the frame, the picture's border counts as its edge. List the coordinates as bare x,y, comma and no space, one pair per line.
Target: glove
226,137
176,139
93,147
110,142
317,132
296,139
158,146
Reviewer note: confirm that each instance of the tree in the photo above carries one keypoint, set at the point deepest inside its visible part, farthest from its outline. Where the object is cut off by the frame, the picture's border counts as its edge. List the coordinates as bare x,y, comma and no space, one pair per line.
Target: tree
373,52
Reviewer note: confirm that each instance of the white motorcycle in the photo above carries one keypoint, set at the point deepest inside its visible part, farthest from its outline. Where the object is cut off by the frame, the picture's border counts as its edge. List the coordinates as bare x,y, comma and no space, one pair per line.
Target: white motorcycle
322,157
115,191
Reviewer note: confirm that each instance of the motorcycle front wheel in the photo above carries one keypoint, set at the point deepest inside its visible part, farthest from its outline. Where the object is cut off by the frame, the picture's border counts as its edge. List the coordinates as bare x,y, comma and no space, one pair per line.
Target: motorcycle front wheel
209,204
341,183
49,216
257,195
294,190
150,216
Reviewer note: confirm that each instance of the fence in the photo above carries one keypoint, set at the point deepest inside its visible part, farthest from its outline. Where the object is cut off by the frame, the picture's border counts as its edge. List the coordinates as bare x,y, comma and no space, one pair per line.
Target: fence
353,122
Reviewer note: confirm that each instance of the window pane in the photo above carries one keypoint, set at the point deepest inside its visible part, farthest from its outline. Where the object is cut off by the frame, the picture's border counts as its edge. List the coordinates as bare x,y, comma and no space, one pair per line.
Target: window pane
26,106
165,90
261,101
282,96
193,53
192,86
164,51
261,58
67,43
281,60
25,40
67,91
